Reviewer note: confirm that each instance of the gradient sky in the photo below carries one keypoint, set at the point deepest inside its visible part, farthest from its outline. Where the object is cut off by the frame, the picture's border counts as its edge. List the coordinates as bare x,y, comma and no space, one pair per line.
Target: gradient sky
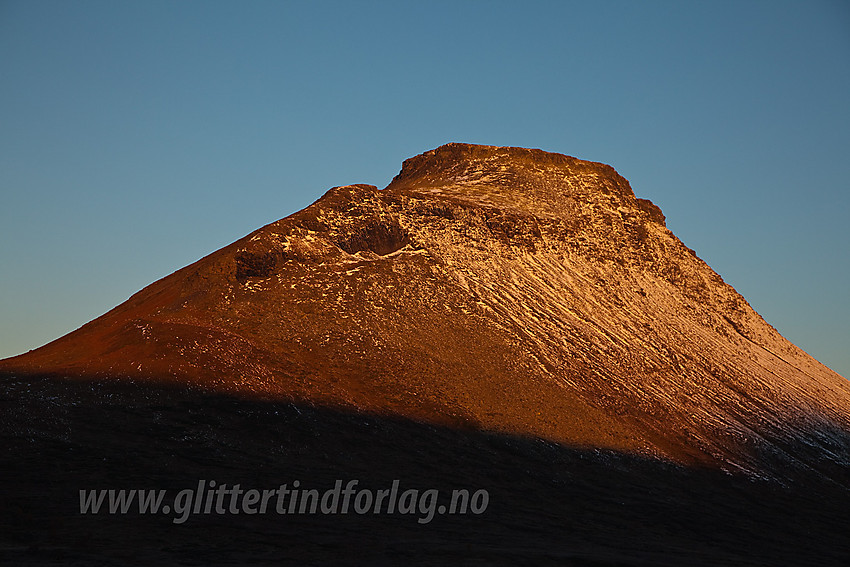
137,137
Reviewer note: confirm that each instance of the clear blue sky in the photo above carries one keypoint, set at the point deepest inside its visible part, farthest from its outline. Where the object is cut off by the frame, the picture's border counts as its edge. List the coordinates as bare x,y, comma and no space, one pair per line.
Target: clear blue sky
136,137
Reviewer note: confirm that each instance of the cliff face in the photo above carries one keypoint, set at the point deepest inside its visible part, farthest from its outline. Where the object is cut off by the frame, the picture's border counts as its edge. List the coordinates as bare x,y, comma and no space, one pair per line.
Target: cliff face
492,288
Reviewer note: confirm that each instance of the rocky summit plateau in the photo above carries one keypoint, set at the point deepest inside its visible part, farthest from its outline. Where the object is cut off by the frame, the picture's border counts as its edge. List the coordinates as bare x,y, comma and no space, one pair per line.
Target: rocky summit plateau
485,291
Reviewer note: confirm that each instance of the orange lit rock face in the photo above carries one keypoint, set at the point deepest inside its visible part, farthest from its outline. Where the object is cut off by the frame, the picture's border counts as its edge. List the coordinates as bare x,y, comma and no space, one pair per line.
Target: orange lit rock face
495,288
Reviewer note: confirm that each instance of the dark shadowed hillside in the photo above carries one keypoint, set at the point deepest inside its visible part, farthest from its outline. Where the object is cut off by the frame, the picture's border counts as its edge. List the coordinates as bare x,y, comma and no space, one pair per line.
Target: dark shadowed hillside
549,504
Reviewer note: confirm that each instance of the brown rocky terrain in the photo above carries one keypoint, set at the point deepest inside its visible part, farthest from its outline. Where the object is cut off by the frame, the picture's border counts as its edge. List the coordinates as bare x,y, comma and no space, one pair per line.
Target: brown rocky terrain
497,318
500,289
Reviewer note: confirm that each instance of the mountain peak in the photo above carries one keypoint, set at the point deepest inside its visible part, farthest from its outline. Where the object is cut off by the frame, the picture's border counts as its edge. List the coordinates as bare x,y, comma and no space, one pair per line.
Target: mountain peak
504,289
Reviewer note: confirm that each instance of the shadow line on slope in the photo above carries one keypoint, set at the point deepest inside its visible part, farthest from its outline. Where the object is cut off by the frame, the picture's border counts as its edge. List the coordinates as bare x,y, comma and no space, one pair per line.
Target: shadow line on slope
549,504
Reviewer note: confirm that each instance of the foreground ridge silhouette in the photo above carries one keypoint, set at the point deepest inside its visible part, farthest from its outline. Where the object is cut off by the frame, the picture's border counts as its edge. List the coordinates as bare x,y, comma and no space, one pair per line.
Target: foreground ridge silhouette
549,504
